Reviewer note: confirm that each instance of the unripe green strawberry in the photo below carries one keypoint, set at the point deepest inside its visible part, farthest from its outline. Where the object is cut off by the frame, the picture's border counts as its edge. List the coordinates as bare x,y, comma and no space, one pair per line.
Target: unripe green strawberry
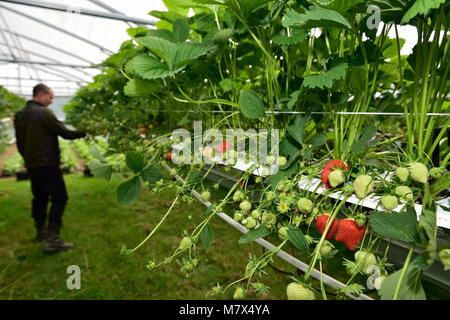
305,205
238,195
298,291
237,216
437,172
270,195
419,172
206,195
270,159
256,214
297,220
390,202
185,243
348,189
251,223
282,233
402,173
282,161
159,183
258,179
444,257
268,217
239,294
378,282
245,206
325,248
363,185
173,172
365,259
265,172
404,192
336,177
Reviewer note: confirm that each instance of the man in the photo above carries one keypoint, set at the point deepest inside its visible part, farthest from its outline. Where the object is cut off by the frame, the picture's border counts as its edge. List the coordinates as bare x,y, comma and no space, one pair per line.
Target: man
37,131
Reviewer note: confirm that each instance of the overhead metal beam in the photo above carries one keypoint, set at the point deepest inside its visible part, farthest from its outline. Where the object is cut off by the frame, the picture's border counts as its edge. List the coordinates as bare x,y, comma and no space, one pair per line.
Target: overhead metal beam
111,9
47,45
55,72
83,11
55,27
45,63
44,57
28,79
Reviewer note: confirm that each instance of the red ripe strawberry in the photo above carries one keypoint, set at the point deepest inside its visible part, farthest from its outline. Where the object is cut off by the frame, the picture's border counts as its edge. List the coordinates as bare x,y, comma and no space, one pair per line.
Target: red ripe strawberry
321,223
222,147
168,156
330,166
350,233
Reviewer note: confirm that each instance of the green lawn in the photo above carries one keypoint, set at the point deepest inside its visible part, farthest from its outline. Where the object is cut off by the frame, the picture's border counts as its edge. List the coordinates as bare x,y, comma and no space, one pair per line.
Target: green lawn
98,226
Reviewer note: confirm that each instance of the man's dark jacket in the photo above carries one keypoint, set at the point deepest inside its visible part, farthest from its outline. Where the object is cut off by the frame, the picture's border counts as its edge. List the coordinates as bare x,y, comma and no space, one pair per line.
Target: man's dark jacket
37,131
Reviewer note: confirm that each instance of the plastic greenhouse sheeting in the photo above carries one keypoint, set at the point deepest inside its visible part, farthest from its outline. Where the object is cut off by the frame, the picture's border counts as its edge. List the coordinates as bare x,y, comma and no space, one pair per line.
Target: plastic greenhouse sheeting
24,40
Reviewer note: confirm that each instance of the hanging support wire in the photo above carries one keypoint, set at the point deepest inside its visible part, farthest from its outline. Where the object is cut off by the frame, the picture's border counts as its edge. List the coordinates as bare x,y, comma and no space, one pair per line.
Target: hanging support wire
112,10
55,27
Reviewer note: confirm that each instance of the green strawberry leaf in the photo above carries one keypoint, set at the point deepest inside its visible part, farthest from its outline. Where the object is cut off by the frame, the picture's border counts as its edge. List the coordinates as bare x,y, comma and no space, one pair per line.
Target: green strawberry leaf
129,191
427,223
315,17
421,7
255,234
140,88
135,161
410,288
318,140
297,238
251,105
326,79
181,30
397,225
96,154
296,36
297,128
149,67
152,175
207,236
100,170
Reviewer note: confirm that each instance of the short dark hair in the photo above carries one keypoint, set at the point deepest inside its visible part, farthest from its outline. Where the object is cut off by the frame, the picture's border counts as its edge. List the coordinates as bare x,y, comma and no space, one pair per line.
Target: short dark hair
40,88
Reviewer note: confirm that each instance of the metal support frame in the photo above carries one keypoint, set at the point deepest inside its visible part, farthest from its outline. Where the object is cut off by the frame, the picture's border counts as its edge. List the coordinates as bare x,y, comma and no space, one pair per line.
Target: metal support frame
111,9
55,27
53,80
83,11
44,57
45,63
48,46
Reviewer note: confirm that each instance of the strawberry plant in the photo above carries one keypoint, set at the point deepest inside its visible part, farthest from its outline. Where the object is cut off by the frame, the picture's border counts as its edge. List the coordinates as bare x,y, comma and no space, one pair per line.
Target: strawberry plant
329,82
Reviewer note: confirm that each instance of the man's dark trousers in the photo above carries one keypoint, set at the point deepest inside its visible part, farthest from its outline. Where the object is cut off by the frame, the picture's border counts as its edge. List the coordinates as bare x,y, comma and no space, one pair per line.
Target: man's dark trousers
48,183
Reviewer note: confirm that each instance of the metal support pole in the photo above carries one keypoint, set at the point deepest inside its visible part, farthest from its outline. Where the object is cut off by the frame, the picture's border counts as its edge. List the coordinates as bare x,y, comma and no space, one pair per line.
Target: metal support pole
55,27
53,80
88,12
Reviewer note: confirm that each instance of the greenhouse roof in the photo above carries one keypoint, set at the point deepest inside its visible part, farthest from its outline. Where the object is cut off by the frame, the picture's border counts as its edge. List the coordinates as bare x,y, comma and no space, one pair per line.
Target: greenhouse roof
55,42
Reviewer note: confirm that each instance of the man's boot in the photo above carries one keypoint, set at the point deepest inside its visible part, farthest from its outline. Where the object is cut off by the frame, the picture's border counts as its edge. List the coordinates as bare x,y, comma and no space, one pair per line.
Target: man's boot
54,243
41,230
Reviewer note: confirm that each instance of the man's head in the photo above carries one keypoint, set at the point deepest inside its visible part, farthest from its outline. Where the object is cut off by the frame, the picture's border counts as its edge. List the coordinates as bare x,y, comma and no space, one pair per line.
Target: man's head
43,94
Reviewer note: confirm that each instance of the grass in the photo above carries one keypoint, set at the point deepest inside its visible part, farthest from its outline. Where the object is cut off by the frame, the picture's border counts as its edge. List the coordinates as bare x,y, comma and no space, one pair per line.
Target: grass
98,226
